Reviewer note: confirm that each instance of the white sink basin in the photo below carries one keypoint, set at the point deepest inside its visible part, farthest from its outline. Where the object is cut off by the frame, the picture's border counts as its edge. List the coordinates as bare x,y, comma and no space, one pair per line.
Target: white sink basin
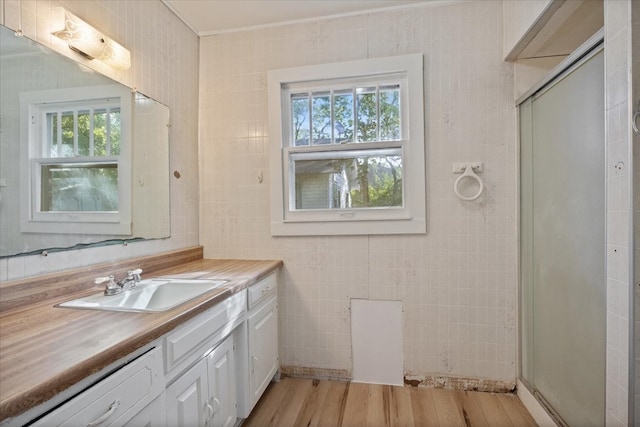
149,295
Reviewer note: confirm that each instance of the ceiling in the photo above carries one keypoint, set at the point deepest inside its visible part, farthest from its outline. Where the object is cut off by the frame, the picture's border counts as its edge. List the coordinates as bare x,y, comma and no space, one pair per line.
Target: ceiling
207,17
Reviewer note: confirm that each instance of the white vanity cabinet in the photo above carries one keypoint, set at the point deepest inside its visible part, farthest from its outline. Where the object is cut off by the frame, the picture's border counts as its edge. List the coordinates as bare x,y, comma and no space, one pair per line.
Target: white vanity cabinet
205,394
153,415
186,398
209,371
190,341
261,335
221,372
117,399
263,348
200,366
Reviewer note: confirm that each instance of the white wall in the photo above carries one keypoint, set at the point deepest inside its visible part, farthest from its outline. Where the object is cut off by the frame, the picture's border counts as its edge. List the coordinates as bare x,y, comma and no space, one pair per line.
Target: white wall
457,282
164,57
618,67
518,16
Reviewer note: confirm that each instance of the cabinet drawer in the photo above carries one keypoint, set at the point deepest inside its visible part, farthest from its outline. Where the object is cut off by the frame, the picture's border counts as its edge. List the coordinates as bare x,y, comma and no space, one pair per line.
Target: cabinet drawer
116,398
262,290
182,343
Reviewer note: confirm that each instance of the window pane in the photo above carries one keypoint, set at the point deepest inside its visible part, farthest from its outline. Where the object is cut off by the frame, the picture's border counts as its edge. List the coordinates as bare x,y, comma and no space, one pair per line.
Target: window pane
87,133
321,118
52,120
300,115
348,180
66,149
367,114
115,130
343,116
79,188
84,130
100,132
390,113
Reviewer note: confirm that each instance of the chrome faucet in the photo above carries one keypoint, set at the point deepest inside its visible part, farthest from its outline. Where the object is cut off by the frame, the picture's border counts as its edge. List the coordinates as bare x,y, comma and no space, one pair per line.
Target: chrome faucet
113,288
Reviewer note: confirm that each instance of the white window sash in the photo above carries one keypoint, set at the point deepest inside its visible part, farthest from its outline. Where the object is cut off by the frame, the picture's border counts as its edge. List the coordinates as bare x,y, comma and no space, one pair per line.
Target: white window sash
58,108
288,90
409,219
34,108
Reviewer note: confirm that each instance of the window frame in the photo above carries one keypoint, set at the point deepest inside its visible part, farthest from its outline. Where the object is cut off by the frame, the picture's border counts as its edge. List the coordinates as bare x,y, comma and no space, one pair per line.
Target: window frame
34,107
408,219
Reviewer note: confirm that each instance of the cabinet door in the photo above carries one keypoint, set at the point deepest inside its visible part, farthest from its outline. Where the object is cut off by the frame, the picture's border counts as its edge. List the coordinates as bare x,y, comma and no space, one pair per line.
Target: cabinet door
187,398
263,348
222,384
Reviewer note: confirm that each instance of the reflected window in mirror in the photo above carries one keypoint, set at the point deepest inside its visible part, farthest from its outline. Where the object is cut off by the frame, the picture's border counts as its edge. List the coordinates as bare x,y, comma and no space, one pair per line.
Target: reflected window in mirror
26,66
76,167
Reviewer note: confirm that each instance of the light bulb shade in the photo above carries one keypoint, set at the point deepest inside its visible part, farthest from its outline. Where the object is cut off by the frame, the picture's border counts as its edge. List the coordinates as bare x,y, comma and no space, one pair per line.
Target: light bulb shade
91,43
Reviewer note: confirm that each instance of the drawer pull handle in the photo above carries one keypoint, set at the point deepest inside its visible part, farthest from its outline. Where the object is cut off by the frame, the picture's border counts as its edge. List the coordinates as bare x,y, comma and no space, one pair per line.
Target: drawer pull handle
210,412
254,363
106,415
215,404
266,291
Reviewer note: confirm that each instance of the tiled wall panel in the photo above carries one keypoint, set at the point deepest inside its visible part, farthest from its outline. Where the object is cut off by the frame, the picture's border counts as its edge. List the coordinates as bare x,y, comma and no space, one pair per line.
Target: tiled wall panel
457,282
618,135
164,57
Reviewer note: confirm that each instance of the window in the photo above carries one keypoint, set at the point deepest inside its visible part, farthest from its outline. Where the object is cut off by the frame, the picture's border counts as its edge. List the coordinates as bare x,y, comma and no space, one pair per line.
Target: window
347,153
76,169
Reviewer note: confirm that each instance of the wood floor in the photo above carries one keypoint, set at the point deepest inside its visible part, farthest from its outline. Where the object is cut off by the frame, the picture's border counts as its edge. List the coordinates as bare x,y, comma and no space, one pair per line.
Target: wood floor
305,402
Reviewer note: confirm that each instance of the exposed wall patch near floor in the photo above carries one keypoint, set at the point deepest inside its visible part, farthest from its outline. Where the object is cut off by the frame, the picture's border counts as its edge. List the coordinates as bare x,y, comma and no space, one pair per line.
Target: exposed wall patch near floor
458,383
315,372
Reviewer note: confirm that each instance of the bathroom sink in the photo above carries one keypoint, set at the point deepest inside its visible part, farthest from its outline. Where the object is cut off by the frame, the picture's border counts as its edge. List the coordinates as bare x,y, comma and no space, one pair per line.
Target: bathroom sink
150,295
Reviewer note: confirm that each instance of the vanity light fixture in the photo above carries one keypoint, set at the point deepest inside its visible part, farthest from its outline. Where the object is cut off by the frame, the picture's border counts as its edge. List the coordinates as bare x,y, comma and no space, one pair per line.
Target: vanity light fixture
91,43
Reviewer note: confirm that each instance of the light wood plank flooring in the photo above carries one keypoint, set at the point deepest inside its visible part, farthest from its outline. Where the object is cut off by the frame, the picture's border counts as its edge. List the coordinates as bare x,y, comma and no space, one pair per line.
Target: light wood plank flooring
314,403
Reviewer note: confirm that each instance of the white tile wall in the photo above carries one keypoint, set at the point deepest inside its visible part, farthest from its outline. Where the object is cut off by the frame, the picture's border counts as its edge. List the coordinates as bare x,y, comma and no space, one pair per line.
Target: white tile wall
618,134
457,282
164,56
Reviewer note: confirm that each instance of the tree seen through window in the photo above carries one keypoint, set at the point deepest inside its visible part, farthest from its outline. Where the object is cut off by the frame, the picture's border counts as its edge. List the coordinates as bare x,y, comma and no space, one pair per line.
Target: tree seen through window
353,116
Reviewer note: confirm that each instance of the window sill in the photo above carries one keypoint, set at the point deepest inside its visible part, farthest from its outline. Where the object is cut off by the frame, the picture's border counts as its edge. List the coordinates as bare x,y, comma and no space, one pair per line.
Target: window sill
348,227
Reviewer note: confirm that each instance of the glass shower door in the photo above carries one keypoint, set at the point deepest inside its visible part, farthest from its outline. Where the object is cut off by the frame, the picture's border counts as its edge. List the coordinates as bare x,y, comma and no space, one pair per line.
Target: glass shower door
563,244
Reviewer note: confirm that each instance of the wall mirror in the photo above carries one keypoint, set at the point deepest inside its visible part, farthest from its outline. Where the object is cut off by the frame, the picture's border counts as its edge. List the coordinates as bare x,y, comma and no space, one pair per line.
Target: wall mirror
49,202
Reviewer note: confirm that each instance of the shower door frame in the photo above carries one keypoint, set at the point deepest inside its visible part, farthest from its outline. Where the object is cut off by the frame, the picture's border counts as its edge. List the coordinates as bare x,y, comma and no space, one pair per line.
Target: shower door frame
585,52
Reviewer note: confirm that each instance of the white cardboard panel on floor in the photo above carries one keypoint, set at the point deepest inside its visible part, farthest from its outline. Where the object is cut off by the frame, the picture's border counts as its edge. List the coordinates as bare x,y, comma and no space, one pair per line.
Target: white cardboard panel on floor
376,339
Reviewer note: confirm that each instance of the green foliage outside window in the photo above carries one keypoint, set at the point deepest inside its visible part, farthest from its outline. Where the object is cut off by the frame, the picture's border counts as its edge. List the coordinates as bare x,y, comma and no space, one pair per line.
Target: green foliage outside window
100,131
360,115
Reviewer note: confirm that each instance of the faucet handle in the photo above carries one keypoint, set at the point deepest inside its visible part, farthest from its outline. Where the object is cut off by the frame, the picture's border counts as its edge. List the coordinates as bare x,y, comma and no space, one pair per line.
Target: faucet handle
135,274
99,280
111,288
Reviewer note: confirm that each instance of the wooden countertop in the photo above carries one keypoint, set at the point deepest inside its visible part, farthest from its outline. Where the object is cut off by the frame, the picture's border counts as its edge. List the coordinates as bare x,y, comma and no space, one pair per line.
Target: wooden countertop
45,350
